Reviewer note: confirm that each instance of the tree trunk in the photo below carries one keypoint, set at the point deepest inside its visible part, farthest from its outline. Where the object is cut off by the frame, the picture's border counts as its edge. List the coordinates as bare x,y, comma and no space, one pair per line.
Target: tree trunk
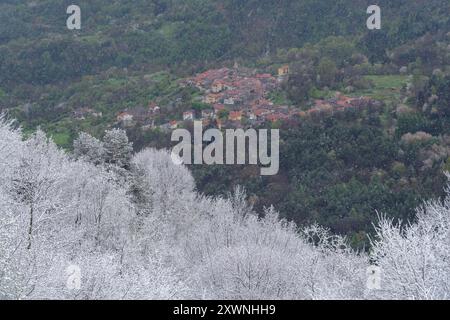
30,228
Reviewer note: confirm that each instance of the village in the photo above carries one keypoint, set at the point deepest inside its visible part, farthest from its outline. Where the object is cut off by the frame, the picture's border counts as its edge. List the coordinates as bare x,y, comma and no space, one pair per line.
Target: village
238,98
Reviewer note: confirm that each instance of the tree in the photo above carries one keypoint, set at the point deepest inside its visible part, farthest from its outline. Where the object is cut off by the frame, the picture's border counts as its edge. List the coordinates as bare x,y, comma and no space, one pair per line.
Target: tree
251,258
36,201
35,183
327,71
118,149
165,191
89,148
300,83
414,257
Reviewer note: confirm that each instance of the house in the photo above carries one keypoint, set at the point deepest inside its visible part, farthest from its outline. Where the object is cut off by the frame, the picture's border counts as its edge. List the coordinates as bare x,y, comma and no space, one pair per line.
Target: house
342,100
153,108
344,103
264,76
91,112
267,80
260,113
283,71
235,116
82,113
125,118
262,103
217,86
173,124
229,101
211,98
188,115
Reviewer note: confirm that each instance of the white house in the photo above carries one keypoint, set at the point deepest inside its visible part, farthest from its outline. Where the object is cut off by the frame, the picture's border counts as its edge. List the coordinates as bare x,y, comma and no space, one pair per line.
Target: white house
188,115
229,101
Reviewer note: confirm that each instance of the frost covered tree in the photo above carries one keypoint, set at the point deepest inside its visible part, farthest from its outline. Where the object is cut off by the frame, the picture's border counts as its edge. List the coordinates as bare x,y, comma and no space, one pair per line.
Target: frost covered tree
253,258
88,148
56,213
166,194
415,260
36,182
33,189
118,148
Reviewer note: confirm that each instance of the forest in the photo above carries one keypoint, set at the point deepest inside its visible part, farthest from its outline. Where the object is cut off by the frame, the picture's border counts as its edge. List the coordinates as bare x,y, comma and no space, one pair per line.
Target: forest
135,228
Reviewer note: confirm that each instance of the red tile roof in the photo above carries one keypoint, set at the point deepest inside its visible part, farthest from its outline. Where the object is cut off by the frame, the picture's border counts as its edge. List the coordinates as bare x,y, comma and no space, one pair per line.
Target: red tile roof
235,115
260,112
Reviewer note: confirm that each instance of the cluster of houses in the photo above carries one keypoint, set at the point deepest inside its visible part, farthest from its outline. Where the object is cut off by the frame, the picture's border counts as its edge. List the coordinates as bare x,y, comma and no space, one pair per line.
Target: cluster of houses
238,98
238,94
341,103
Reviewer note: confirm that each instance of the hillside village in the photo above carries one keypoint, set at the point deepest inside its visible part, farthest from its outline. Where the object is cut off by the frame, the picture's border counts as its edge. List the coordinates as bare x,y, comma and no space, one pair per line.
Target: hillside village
238,98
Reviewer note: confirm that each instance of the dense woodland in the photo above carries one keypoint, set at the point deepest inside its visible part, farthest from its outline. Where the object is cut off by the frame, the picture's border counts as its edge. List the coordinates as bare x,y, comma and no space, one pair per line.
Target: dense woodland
340,171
